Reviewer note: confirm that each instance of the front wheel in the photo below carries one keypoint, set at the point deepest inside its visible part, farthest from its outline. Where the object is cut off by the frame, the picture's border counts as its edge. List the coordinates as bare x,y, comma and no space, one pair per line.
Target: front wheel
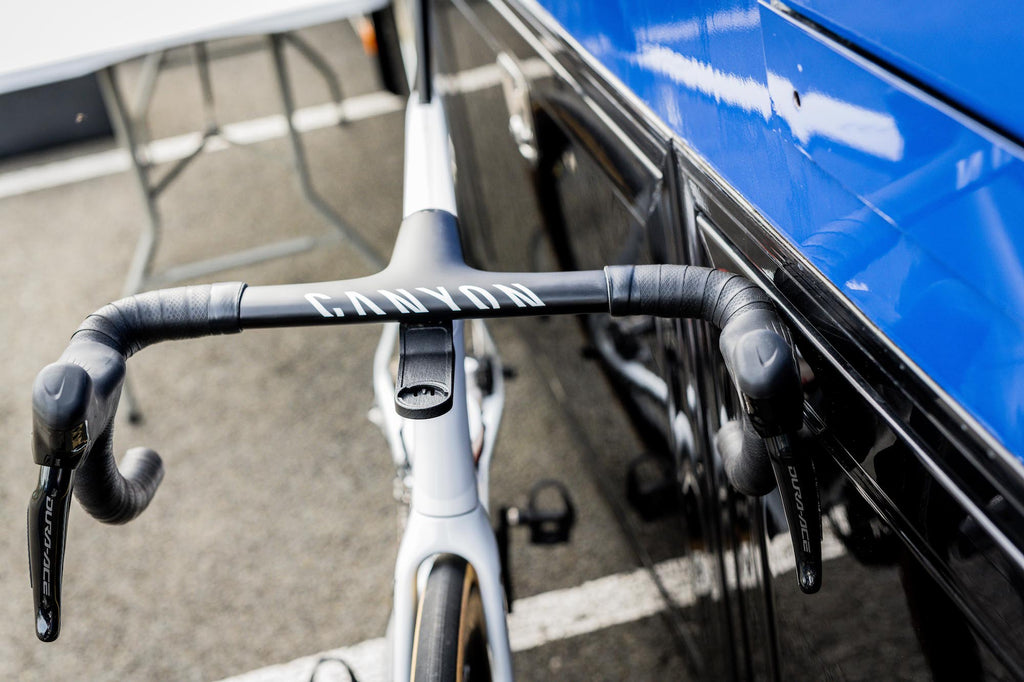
450,639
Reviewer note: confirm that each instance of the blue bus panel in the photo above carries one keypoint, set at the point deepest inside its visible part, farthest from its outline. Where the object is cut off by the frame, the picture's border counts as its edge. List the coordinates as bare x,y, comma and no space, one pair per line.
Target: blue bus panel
909,206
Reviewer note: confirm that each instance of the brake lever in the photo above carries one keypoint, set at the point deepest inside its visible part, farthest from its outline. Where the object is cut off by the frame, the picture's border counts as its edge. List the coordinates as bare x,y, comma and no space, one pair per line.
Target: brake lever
47,531
758,352
798,486
60,439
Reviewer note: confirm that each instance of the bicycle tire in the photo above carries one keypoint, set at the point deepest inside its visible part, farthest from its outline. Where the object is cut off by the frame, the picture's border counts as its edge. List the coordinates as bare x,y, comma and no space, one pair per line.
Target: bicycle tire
450,642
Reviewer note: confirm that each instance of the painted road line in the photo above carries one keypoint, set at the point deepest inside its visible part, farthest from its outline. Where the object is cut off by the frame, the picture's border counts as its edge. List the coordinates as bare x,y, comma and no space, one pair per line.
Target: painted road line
100,164
595,605
111,162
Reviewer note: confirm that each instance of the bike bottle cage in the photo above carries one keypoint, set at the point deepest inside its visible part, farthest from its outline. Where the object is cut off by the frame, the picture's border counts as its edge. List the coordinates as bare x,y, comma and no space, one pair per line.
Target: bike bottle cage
426,370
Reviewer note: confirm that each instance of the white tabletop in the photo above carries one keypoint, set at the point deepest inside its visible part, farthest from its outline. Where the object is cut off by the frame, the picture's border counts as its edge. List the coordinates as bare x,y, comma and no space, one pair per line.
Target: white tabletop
44,41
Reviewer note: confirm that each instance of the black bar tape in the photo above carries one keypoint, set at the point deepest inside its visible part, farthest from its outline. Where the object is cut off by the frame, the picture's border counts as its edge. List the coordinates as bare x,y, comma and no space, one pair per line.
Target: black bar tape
745,459
126,327
682,291
132,323
755,343
73,406
114,495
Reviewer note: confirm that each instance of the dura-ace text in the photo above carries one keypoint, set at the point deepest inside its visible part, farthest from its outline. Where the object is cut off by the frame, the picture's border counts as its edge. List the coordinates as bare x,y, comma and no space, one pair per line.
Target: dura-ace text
805,535
47,544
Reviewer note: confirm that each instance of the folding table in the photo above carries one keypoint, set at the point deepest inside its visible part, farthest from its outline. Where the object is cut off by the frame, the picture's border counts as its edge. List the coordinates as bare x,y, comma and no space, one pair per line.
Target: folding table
46,41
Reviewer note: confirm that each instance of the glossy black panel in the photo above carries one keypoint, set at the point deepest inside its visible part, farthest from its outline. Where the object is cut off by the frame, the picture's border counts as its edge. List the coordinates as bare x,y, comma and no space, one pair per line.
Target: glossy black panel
915,492
923,528
568,207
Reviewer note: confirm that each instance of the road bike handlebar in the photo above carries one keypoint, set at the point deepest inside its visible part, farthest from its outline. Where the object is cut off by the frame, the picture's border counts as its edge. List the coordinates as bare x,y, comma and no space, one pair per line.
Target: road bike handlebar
73,404
75,399
759,355
754,342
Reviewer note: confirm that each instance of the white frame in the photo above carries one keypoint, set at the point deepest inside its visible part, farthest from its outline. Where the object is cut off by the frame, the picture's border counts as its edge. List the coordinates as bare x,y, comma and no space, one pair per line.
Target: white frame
448,508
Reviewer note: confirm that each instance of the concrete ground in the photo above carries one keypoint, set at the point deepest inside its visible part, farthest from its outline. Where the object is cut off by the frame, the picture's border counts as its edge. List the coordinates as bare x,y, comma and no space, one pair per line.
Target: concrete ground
274,533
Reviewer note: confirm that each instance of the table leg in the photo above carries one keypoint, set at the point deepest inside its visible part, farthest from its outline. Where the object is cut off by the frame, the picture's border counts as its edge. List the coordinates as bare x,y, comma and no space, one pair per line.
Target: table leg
148,74
299,158
146,248
317,61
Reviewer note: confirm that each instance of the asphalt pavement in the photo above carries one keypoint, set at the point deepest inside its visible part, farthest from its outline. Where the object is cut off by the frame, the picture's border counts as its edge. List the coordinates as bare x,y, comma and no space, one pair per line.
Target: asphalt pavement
274,533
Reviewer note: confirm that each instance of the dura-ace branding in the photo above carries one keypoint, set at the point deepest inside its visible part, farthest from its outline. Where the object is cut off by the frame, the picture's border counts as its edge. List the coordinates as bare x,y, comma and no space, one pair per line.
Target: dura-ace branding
47,544
805,533
457,299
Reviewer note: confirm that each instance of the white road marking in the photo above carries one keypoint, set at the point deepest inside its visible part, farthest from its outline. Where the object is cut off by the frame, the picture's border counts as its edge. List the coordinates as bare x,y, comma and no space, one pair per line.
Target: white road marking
59,173
560,614
90,166
100,164
368,659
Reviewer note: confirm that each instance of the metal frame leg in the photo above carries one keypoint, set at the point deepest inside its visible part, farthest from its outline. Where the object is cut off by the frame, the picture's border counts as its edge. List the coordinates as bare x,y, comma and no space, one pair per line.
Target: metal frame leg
299,157
329,75
145,249
140,271
151,67
141,267
210,126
